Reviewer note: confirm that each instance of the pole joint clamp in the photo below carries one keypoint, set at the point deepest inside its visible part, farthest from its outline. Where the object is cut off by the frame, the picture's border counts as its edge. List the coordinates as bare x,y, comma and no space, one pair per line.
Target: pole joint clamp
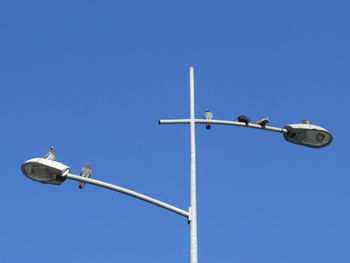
189,215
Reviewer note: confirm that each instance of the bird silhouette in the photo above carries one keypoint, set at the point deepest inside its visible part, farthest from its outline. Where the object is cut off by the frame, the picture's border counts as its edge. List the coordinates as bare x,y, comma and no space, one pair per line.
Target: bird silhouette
208,116
85,172
243,118
263,122
51,155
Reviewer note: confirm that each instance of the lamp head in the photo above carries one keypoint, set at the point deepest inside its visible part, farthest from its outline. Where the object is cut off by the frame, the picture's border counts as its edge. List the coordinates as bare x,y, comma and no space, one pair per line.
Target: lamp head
45,171
307,135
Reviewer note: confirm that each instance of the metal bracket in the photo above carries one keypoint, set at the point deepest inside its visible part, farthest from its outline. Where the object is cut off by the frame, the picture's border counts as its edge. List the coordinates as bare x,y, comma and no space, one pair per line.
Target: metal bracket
189,215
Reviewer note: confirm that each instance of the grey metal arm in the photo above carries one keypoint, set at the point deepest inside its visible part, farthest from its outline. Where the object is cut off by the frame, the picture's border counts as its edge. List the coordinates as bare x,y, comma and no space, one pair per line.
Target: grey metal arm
222,122
128,192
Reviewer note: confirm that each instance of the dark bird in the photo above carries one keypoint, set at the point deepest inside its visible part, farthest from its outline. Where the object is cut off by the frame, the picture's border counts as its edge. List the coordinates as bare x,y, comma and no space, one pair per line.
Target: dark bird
51,155
263,122
243,118
305,122
208,116
85,172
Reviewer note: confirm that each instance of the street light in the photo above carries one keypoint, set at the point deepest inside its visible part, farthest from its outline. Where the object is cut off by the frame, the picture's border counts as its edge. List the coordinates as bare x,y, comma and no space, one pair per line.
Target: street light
52,172
45,171
307,135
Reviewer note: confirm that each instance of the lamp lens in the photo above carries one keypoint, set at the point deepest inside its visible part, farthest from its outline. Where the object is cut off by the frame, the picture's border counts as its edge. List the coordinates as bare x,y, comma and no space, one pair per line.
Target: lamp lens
42,173
315,138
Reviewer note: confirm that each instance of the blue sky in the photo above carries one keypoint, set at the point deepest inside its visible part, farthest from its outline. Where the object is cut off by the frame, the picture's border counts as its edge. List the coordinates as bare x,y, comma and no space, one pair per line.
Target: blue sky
92,78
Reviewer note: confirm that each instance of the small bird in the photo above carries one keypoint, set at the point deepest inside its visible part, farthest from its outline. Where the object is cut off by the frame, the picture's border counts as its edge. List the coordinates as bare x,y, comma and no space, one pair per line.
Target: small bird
208,116
85,172
51,155
263,122
243,118
305,122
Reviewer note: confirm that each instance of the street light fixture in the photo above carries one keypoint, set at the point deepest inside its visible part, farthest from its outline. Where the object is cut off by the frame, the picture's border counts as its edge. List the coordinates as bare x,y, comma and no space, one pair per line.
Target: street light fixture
45,171
307,135
52,172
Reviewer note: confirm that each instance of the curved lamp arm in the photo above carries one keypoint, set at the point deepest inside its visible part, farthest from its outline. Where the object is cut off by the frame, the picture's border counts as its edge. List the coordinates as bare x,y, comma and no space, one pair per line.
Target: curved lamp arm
222,122
128,192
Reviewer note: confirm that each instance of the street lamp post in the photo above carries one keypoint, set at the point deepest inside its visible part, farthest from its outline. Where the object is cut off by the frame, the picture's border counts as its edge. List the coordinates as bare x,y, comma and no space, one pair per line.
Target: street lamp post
51,172
193,207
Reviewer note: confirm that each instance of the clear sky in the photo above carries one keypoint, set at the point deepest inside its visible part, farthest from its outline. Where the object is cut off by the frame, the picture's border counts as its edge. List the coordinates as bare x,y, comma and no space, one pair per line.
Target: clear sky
92,78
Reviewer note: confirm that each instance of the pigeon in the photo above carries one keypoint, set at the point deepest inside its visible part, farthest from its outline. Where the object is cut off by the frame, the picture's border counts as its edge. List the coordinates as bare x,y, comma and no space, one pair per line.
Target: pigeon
208,116
85,172
51,155
305,122
243,118
263,122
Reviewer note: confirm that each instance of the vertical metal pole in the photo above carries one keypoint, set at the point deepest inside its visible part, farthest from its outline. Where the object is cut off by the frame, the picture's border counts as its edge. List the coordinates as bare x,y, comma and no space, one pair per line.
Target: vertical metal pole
193,210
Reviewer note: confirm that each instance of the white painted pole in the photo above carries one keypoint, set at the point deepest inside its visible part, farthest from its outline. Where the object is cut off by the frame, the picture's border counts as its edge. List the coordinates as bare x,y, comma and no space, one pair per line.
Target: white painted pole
193,208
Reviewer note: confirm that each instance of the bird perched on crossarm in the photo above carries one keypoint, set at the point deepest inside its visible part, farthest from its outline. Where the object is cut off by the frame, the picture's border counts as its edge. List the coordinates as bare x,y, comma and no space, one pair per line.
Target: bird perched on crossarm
243,118
85,172
51,155
208,116
263,122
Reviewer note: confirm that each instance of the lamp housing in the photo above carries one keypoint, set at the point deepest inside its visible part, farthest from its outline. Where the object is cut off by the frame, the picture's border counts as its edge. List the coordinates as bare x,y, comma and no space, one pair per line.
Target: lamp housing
307,135
45,171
